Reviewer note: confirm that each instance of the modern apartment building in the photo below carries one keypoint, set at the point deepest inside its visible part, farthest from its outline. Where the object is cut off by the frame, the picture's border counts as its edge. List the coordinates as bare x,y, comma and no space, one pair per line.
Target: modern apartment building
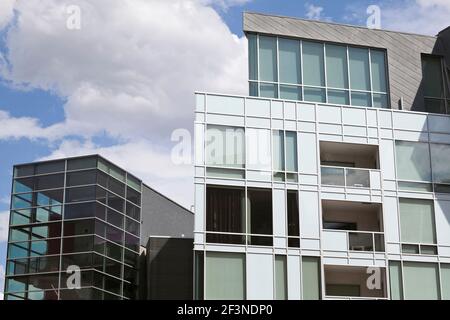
86,213
331,180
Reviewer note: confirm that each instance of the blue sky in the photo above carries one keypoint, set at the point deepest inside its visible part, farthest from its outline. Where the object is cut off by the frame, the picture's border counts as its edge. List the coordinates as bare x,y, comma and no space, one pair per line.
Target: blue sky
124,81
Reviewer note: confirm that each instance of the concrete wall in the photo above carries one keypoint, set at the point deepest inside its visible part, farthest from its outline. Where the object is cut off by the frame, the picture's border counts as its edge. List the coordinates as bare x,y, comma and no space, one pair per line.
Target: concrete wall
163,217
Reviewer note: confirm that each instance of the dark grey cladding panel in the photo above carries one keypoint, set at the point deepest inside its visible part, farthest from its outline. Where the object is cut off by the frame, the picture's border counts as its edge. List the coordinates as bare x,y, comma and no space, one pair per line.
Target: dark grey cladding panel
163,217
403,50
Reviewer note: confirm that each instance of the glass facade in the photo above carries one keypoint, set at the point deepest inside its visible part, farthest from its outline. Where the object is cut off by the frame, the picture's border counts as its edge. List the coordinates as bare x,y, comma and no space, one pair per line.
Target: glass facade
435,85
422,166
317,72
82,212
419,280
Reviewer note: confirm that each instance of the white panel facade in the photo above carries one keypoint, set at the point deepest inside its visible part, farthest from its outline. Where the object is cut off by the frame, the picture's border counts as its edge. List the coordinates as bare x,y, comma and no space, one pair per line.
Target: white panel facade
259,276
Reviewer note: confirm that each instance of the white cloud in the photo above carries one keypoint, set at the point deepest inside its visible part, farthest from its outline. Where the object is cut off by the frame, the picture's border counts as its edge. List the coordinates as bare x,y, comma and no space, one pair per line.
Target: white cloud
315,12
22,127
134,64
4,224
130,73
145,160
6,12
225,3
414,16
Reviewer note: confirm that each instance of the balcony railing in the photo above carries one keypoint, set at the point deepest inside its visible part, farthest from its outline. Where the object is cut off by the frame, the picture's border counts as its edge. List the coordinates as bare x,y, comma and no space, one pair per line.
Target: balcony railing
346,177
364,241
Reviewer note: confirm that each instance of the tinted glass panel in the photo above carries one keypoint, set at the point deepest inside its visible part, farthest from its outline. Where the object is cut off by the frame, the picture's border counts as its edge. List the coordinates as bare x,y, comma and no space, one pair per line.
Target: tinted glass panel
113,251
359,69
22,171
289,54
267,58
81,178
78,244
290,92
133,211
82,163
47,214
338,97
252,56
50,167
23,185
80,194
78,227
337,71
49,198
361,99
132,226
80,210
115,202
314,94
114,234
133,196
378,67
116,187
50,181
313,64
268,90
132,242
432,76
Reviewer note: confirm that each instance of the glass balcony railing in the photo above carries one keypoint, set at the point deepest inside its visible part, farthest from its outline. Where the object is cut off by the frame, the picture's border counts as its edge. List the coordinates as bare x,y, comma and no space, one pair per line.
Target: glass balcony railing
366,241
346,177
349,240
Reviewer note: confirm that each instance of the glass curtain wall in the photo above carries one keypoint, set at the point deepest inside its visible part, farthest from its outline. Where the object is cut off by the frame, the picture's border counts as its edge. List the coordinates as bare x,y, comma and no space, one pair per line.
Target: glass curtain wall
317,72
81,212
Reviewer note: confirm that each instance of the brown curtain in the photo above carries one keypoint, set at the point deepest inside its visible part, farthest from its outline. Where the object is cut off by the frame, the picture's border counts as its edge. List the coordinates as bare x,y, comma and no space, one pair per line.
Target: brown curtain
224,214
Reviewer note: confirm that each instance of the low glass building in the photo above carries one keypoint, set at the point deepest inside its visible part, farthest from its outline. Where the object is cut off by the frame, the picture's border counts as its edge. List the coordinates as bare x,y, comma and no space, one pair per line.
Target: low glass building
85,213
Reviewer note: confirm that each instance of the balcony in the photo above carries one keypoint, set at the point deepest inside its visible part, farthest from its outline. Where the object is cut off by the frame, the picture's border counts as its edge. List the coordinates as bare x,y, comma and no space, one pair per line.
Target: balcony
352,227
350,172
354,283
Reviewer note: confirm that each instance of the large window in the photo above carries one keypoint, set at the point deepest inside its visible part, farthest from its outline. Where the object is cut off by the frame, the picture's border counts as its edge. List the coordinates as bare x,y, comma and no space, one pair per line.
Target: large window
435,85
418,281
311,278
232,212
421,281
413,161
317,72
225,276
417,223
419,163
225,151
225,209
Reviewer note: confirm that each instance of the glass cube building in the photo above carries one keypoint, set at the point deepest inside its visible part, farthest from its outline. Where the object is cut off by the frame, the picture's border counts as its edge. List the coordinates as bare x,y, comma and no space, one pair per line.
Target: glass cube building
83,212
